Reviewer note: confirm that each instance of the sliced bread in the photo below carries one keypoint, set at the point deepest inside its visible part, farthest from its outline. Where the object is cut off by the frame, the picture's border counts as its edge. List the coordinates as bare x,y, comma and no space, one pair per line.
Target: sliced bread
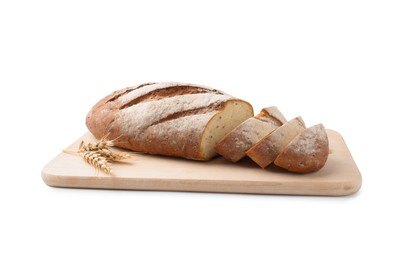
235,143
307,152
269,147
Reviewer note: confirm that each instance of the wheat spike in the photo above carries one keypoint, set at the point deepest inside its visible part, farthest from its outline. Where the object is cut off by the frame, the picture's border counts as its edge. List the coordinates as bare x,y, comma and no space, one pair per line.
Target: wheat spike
97,160
115,157
99,154
100,145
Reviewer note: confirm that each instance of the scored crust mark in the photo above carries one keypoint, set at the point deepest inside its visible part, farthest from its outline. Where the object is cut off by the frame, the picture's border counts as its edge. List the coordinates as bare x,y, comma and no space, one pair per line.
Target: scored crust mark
196,111
126,91
169,92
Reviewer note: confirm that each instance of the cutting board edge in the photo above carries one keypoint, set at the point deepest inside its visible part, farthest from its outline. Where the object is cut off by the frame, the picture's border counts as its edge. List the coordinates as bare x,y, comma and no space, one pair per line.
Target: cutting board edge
343,188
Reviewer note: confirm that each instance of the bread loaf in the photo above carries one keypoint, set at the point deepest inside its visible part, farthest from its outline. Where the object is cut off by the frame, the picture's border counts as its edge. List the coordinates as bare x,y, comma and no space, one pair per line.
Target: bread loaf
307,152
234,144
174,119
266,150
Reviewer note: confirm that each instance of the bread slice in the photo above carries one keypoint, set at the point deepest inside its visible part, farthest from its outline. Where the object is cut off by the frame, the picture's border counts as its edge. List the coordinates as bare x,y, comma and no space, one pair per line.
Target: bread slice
234,144
174,119
266,150
307,152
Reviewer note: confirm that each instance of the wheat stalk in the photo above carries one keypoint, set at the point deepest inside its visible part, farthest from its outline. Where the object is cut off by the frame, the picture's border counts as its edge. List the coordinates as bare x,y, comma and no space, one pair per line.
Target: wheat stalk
99,154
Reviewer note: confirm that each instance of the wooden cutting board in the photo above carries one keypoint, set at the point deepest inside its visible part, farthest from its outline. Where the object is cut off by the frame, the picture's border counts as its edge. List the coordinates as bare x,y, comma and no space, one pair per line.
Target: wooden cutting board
340,176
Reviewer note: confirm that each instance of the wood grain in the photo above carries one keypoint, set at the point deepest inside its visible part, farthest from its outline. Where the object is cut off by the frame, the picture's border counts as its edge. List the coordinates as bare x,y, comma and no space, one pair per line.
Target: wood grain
340,176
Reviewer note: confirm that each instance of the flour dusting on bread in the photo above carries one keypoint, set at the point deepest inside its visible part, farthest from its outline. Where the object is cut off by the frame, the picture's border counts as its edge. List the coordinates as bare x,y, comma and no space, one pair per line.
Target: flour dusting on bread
171,118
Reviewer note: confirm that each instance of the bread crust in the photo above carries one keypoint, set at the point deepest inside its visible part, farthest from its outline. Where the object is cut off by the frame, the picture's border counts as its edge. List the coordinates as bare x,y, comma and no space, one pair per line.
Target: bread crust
159,118
307,152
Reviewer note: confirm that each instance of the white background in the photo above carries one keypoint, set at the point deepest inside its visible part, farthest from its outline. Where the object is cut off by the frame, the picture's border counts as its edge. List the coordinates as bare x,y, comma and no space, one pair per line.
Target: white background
336,62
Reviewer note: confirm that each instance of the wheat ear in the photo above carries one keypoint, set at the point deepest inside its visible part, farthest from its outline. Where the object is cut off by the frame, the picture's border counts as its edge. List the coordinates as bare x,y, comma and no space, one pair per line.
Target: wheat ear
97,160
99,154
102,144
